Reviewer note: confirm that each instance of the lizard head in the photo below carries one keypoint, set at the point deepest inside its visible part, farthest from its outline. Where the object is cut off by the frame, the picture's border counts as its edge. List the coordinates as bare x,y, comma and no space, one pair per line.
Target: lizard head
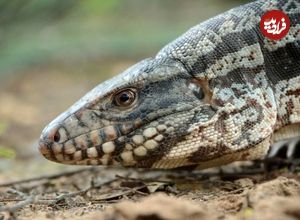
134,119
158,115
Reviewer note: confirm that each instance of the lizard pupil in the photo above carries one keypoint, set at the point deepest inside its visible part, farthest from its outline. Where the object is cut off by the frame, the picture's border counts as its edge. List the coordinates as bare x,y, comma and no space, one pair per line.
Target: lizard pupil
125,98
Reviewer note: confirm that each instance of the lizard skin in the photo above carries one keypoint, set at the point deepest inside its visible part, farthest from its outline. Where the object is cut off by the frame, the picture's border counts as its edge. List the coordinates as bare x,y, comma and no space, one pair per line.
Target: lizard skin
219,93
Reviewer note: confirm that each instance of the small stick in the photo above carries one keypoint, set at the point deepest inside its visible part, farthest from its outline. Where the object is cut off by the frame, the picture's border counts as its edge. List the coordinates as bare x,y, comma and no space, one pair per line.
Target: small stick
48,177
19,205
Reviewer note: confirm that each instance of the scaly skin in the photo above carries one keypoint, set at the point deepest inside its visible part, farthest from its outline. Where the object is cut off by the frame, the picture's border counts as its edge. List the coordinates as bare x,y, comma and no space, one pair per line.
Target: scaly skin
217,94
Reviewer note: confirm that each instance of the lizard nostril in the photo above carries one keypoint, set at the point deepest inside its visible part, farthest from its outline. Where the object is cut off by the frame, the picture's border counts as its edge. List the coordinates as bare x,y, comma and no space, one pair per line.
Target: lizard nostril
56,137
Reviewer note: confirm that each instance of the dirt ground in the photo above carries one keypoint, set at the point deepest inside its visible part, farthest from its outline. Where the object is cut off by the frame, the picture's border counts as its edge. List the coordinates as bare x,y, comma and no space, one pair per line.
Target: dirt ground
97,193
34,188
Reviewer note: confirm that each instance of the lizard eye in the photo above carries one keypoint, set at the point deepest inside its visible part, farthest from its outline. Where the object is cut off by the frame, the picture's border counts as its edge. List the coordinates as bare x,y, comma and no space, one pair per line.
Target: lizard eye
125,98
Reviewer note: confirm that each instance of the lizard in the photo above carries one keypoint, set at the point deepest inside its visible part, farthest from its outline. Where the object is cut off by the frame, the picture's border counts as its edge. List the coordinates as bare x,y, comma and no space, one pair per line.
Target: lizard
221,92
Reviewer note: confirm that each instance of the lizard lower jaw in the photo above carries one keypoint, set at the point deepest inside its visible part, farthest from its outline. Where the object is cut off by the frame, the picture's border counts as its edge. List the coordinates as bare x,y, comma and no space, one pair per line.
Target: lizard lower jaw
48,151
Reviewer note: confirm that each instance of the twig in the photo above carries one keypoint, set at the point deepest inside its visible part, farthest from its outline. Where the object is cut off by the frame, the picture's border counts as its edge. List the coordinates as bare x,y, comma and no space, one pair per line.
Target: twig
110,196
80,192
16,192
48,177
19,205
64,196
143,179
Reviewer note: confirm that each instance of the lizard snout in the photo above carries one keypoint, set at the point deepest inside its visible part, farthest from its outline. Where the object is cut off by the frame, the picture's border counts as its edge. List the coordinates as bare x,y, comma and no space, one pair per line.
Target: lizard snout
50,137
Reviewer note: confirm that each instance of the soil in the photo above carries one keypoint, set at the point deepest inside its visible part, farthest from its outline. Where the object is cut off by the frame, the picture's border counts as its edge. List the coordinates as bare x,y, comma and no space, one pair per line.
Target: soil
34,188
97,193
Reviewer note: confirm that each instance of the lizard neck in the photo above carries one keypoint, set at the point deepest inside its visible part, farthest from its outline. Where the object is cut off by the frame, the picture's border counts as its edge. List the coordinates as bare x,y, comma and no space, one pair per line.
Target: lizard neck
287,94
281,64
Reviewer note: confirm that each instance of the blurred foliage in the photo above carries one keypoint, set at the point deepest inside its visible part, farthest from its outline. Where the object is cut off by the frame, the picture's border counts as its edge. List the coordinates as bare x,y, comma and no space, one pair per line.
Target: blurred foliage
16,11
5,152
36,32
3,127
96,6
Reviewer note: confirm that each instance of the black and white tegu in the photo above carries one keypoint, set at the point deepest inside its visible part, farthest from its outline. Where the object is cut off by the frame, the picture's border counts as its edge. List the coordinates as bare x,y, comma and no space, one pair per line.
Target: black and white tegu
221,92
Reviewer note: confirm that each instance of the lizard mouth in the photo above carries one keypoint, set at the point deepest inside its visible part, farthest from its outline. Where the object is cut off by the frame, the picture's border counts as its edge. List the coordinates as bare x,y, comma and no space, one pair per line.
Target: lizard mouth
95,147
113,145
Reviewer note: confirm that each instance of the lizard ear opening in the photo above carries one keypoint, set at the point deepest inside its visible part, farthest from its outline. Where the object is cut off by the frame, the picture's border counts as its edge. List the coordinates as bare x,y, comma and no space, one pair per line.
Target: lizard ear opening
196,89
201,90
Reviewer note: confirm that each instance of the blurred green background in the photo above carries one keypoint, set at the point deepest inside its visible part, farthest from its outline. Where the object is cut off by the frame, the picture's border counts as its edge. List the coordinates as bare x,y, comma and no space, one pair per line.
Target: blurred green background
53,51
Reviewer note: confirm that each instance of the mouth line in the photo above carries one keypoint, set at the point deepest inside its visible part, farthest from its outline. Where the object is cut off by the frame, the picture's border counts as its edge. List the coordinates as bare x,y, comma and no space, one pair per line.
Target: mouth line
86,161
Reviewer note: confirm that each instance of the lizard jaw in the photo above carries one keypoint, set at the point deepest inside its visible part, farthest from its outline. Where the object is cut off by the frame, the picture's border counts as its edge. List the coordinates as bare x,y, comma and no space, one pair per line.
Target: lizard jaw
95,147
112,145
